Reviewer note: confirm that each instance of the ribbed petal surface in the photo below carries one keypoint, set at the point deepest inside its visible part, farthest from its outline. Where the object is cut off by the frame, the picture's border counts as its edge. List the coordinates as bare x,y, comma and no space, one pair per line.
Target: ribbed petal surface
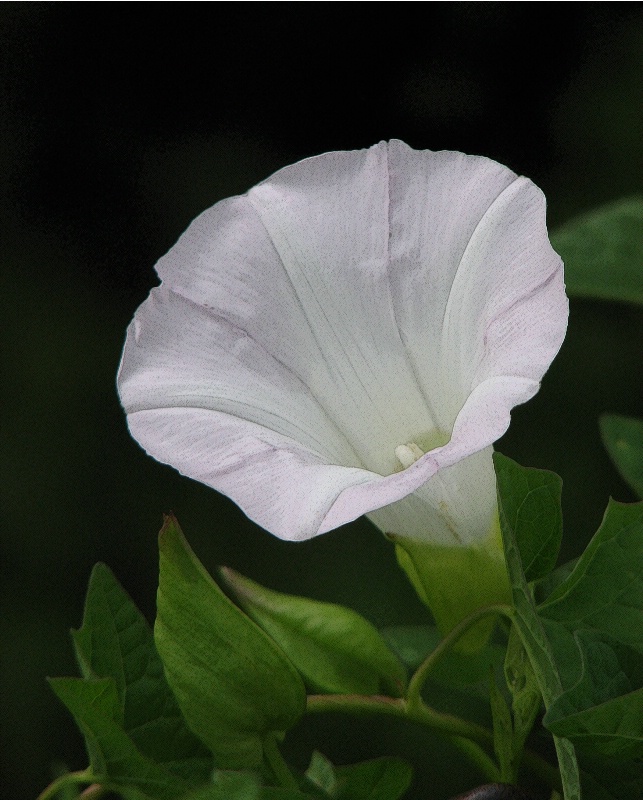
351,303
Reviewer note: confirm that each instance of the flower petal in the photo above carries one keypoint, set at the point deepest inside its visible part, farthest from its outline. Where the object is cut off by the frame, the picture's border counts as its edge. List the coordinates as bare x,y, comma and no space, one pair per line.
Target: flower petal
456,507
301,265
351,303
277,482
477,287
185,356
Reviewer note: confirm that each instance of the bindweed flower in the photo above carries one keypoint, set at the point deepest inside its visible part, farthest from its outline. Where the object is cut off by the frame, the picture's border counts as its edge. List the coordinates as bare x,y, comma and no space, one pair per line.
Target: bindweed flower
348,338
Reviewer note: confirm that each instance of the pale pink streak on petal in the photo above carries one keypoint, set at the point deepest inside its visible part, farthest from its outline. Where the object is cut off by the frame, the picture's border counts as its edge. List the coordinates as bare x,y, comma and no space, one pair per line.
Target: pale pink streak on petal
349,304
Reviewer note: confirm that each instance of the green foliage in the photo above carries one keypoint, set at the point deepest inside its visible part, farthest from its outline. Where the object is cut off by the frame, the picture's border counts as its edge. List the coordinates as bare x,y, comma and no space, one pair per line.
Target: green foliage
379,779
526,699
602,712
605,590
623,438
526,620
114,757
334,648
234,685
232,680
136,737
139,744
593,620
322,773
438,574
584,642
229,786
116,642
413,643
611,779
603,252
502,733
531,505
546,585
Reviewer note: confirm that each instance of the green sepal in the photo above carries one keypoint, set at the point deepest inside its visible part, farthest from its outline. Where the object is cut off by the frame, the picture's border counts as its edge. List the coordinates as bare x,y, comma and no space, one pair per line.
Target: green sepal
531,504
623,438
456,581
603,252
233,684
335,649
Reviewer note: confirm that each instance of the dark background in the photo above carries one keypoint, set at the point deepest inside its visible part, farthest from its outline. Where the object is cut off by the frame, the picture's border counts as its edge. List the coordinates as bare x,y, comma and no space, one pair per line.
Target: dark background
120,123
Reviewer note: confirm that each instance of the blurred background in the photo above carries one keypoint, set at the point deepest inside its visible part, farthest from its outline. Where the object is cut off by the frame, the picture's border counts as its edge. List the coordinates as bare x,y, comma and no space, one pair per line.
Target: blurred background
120,125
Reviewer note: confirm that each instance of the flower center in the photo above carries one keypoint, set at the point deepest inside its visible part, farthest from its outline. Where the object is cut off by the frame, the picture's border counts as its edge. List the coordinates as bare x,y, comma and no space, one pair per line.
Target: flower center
408,454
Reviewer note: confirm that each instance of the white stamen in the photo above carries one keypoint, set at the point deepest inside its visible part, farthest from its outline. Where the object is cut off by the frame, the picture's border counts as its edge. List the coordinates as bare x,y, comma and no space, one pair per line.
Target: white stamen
408,454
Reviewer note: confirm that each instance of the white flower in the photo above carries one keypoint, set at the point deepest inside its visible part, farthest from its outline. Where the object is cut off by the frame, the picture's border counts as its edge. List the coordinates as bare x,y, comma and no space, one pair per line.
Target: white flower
348,338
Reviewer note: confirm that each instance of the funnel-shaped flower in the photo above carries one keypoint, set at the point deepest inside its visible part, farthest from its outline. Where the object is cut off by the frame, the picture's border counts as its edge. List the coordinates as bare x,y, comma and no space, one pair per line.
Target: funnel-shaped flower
349,338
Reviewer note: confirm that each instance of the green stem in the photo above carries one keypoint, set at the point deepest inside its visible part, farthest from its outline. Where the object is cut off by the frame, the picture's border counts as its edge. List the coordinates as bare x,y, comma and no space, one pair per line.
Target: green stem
93,792
458,730
69,778
394,707
280,769
422,673
478,756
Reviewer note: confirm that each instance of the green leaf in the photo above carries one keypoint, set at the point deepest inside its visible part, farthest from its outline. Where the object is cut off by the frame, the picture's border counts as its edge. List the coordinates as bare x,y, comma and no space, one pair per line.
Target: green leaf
623,438
605,590
545,586
531,505
322,773
125,792
245,786
233,684
228,785
278,793
603,252
335,649
593,621
115,759
412,643
116,642
379,779
614,728
610,779
527,622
